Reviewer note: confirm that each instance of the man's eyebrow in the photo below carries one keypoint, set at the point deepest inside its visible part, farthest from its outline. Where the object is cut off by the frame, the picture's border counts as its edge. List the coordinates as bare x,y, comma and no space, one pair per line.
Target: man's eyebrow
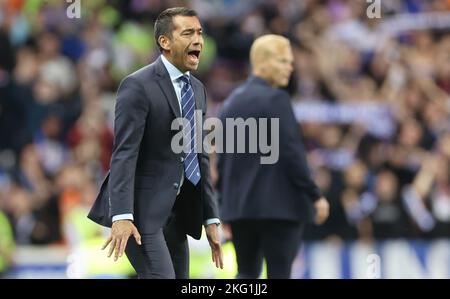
191,29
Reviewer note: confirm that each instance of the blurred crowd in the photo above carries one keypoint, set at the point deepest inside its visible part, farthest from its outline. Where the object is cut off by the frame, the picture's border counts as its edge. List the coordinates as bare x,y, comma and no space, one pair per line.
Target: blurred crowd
385,178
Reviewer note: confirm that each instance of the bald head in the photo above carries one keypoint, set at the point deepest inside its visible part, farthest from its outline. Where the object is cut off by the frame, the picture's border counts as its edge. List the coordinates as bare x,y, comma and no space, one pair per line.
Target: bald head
265,46
271,59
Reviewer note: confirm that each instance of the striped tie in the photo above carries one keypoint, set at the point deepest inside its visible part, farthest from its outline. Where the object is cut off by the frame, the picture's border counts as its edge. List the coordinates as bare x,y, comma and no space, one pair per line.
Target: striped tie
191,169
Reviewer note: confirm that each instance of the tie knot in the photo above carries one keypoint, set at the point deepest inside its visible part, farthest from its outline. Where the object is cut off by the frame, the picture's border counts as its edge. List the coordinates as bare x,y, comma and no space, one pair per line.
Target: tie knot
184,79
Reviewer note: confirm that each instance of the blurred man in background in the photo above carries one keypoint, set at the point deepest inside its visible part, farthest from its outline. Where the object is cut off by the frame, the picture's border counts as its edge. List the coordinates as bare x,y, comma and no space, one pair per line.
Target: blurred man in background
152,193
268,205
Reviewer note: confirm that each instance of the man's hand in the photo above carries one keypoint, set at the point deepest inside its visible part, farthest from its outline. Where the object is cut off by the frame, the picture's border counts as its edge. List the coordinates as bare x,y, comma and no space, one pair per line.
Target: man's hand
212,232
322,210
121,230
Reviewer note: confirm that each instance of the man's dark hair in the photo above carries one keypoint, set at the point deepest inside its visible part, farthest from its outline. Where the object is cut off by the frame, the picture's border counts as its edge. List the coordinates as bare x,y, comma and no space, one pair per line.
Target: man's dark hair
164,22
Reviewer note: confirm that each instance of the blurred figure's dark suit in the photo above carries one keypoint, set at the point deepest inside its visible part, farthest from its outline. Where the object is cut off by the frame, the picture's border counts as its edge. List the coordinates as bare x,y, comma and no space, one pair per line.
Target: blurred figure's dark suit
145,172
267,205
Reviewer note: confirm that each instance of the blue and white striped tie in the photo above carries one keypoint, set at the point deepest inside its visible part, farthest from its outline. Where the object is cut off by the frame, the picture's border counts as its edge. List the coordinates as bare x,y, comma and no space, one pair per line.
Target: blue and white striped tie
191,167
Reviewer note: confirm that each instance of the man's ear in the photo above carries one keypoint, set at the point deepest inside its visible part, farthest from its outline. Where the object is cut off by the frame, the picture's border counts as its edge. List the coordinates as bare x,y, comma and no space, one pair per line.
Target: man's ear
164,42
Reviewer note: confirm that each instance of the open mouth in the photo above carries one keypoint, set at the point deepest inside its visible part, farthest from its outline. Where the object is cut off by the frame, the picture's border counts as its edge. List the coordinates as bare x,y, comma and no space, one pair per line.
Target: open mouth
194,56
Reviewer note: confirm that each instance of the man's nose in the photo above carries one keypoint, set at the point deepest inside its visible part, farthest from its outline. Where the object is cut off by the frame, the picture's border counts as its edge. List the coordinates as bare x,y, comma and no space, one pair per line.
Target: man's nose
198,39
290,68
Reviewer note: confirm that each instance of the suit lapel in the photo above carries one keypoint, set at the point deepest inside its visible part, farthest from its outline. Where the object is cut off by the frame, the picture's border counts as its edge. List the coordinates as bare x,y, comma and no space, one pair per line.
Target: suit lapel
166,85
167,88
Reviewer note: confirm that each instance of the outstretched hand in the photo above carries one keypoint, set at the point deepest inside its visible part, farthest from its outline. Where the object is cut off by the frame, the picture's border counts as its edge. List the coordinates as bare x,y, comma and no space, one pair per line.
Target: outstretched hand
212,232
121,230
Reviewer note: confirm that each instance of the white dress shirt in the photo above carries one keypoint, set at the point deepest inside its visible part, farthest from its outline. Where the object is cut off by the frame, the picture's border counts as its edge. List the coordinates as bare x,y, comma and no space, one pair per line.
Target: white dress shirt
174,75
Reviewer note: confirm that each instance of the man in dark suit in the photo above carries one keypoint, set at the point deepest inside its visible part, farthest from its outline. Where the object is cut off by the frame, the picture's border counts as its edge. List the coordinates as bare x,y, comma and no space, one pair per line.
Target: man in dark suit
152,192
267,205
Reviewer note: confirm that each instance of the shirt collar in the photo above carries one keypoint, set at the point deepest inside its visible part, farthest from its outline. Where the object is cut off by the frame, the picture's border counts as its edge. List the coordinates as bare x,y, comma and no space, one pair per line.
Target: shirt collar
174,73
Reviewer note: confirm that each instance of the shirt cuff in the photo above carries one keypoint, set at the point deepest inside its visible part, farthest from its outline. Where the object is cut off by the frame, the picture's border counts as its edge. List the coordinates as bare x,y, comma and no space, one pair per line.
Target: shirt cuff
211,221
122,217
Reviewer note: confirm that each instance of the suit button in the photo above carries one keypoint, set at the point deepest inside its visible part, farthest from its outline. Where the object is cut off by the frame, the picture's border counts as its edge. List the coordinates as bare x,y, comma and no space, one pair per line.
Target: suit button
181,159
175,186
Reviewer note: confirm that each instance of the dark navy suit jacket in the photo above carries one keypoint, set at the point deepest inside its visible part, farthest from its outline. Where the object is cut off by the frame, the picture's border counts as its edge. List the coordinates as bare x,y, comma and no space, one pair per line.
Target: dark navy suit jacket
251,190
145,173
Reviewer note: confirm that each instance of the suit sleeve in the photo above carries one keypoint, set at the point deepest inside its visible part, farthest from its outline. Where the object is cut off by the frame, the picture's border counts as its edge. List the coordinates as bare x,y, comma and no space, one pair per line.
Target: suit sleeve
130,116
210,208
292,152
